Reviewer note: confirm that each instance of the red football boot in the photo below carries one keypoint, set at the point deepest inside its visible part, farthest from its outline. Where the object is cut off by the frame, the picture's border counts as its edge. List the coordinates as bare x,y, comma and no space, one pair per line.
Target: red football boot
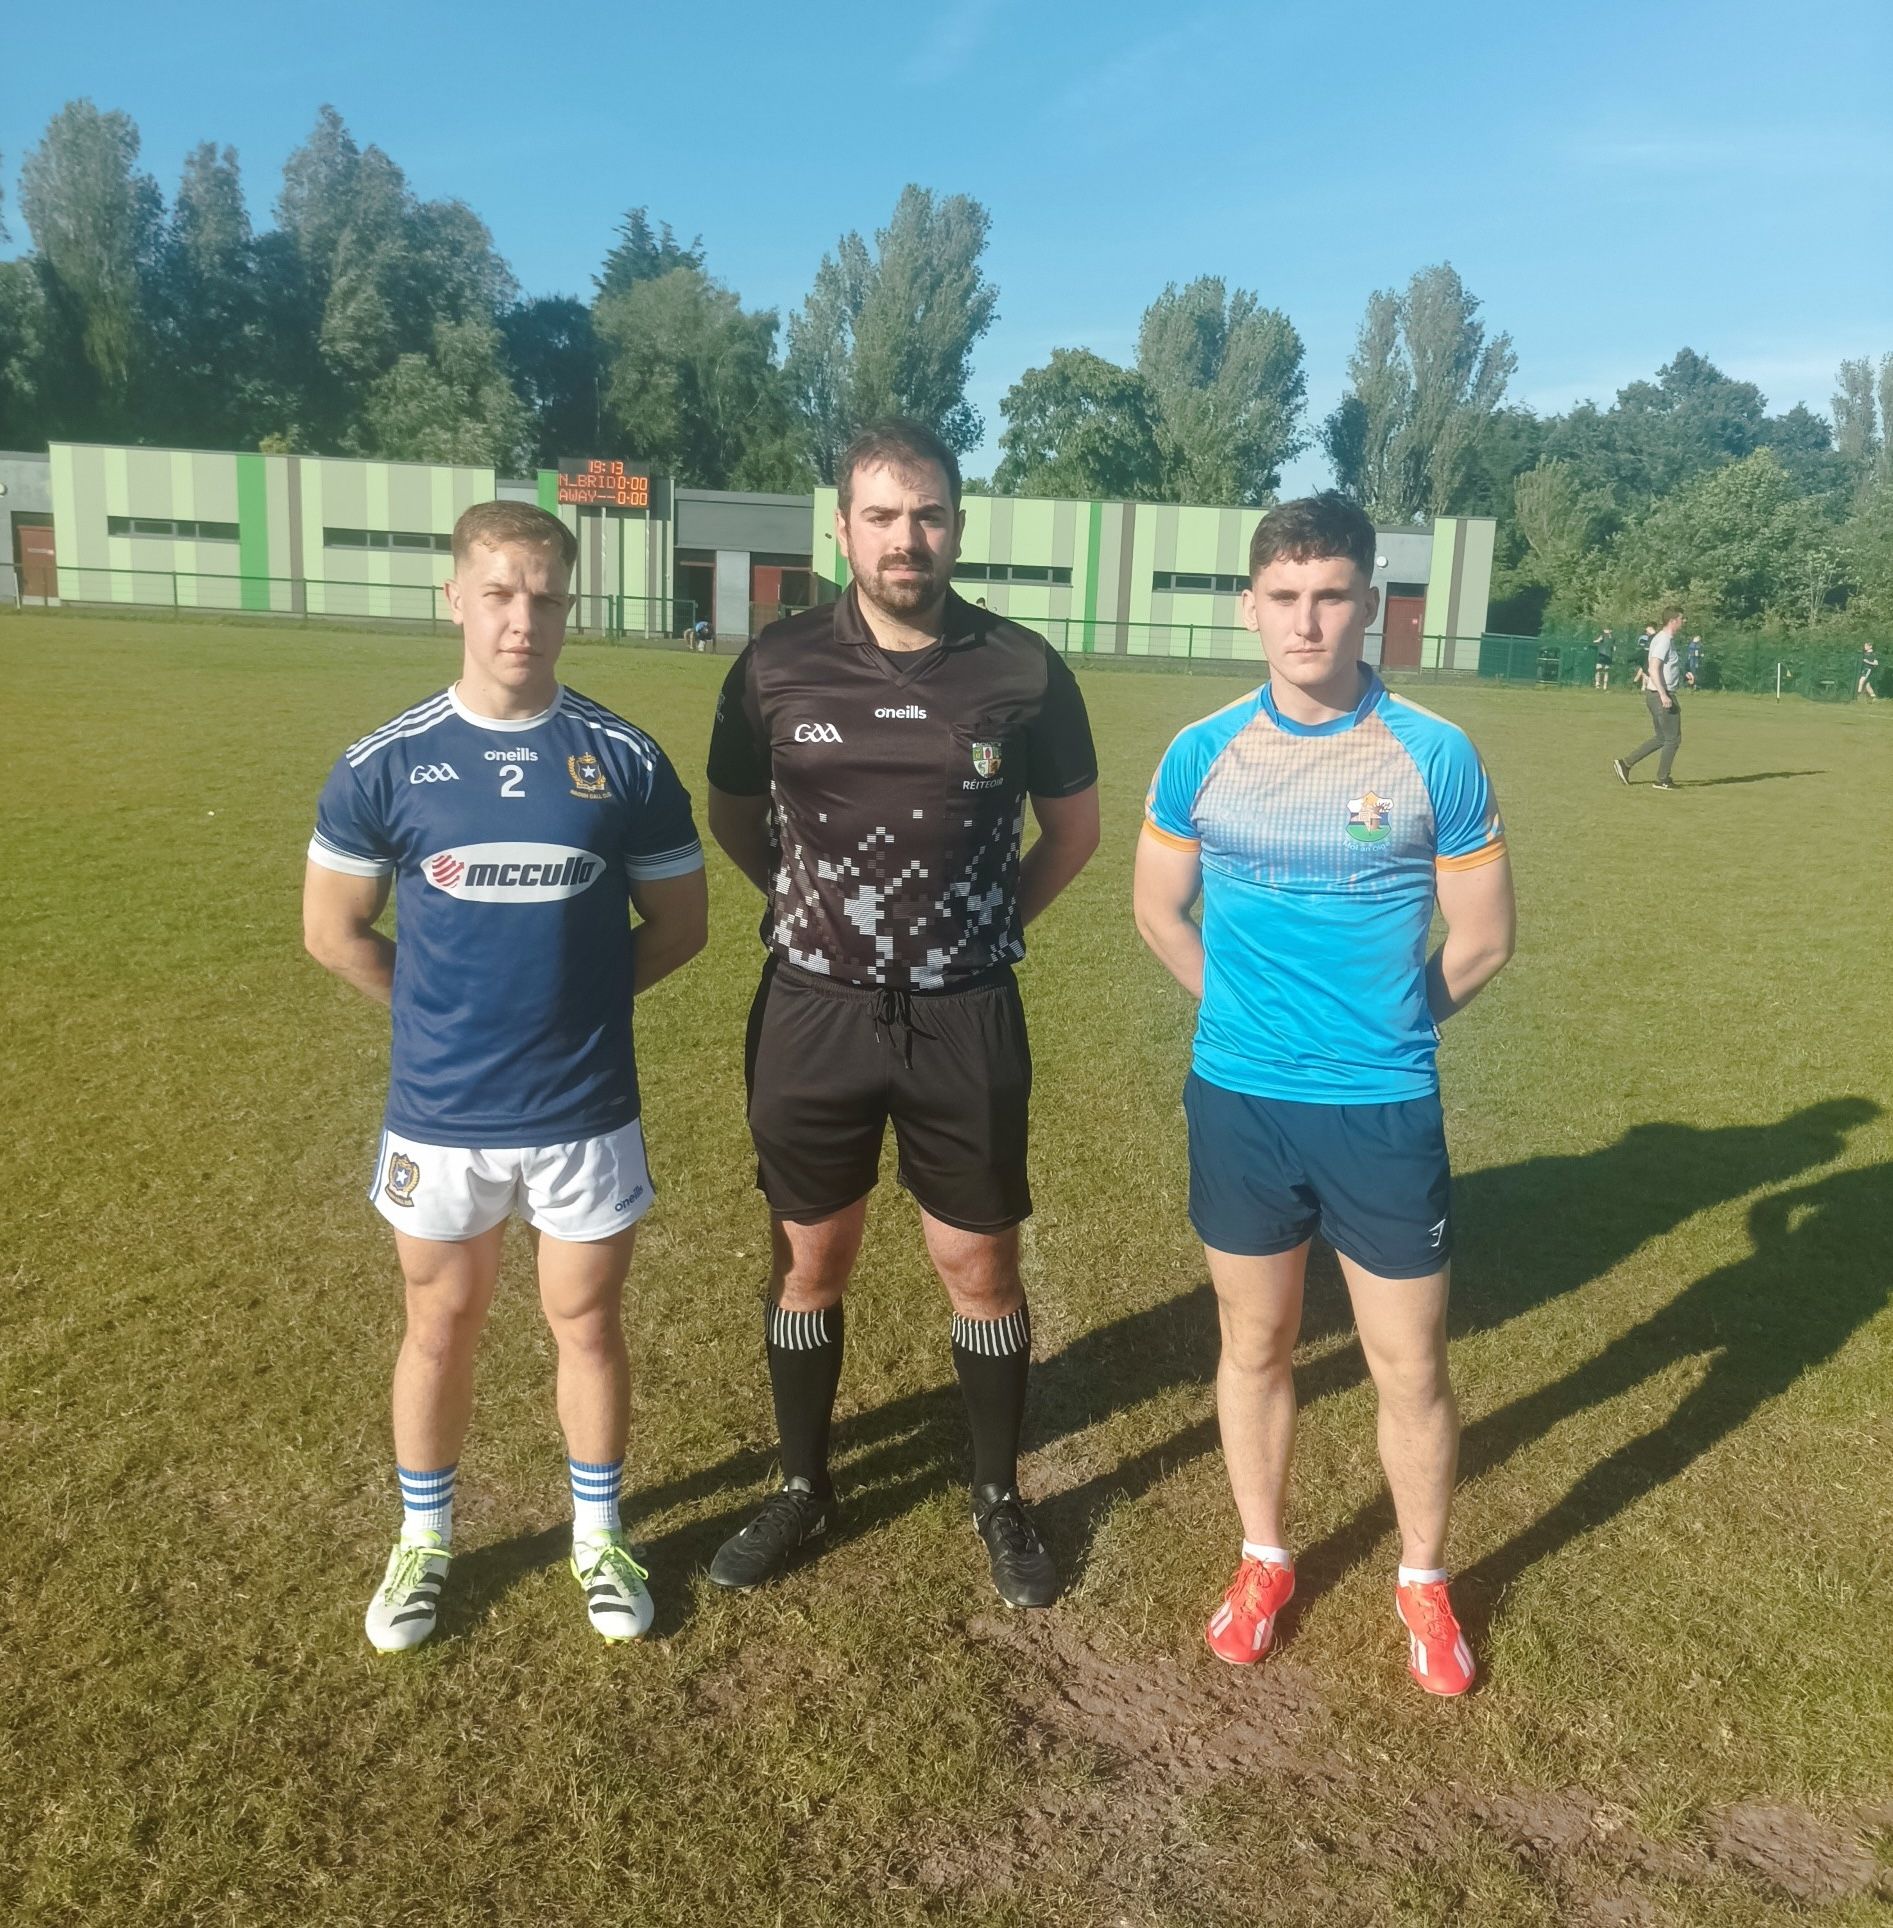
1241,1630
1437,1654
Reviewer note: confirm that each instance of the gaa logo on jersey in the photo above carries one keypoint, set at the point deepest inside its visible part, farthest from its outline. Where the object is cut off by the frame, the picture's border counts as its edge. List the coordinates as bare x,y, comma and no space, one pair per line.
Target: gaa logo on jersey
1367,819
512,873
588,775
986,759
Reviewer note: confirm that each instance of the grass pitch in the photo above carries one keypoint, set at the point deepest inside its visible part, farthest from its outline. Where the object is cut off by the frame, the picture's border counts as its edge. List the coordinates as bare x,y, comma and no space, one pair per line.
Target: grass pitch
1671,1342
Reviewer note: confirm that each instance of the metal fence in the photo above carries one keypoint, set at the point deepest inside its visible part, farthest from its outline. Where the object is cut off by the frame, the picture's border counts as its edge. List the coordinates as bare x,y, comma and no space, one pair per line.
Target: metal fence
1756,665
198,594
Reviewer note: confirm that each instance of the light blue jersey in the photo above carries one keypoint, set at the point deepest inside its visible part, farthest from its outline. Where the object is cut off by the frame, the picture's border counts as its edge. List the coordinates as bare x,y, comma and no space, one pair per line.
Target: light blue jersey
513,847
1320,846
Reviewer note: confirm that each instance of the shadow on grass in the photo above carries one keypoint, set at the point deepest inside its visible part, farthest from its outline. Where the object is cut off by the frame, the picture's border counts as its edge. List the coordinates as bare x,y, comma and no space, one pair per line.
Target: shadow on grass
1754,776
1527,1234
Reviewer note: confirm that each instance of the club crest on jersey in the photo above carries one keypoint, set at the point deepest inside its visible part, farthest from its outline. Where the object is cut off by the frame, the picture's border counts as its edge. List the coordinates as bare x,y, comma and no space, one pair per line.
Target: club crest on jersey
588,775
512,873
1367,819
986,759
403,1175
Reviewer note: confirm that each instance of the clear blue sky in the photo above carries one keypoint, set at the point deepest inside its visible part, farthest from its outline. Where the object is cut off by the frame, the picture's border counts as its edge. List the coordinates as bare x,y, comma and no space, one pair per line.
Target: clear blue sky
1614,182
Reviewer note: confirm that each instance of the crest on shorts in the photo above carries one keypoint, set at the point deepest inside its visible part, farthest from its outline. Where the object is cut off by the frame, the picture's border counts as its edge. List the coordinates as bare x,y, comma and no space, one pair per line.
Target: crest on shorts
403,1175
588,775
1367,819
986,759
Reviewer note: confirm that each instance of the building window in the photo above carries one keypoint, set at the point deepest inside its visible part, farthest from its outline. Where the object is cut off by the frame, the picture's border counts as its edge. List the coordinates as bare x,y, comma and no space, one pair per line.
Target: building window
170,528
1012,572
1173,579
407,540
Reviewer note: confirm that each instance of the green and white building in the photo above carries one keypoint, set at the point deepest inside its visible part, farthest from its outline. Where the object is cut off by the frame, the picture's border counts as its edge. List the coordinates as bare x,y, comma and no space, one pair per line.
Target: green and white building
335,538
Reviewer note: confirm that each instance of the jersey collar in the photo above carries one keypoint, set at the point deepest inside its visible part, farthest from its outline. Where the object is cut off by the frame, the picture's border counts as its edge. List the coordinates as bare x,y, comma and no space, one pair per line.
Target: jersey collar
963,623
504,724
1371,694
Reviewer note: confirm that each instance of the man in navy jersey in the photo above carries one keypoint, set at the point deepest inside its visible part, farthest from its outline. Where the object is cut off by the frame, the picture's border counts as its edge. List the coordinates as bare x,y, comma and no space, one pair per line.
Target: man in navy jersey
518,824
870,769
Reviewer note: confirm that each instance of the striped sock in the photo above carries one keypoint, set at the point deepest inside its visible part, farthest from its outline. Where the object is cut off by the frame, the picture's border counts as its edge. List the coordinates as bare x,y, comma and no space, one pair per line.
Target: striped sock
427,1503
993,1358
804,1353
595,1497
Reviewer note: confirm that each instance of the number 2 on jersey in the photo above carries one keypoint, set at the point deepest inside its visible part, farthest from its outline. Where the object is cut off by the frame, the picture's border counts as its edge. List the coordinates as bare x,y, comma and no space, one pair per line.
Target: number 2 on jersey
512,781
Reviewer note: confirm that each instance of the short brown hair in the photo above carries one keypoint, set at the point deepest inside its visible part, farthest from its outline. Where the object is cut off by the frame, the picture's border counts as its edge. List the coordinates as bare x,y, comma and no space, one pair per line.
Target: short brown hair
895,444
495,524
1312,528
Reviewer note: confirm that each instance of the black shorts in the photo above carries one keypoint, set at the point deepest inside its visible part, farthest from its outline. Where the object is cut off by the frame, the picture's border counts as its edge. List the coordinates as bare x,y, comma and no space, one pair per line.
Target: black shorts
829,1064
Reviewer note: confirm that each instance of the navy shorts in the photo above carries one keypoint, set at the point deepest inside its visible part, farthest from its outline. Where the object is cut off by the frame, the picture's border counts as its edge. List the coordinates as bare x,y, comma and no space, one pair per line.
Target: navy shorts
1267,1173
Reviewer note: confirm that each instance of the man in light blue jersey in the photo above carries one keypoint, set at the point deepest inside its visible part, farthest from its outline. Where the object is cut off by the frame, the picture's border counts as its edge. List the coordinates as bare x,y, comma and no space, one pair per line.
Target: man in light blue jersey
1320,819
519,824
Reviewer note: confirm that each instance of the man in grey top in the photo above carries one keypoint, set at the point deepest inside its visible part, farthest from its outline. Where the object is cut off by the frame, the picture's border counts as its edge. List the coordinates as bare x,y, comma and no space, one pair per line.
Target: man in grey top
1666,713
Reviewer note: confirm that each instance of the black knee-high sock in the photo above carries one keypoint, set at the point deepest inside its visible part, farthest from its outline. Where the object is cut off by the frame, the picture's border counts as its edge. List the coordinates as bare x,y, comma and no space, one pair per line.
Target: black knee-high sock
993,1358
804,1351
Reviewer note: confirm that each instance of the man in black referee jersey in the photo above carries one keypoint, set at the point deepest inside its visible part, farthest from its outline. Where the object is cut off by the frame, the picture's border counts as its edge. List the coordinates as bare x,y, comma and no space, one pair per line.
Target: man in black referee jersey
869,770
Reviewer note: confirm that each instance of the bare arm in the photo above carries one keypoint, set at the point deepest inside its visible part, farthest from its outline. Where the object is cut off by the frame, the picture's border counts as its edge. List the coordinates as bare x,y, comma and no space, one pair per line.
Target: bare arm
673,925
1068,834
338,919
1164,890
740,826
1481,931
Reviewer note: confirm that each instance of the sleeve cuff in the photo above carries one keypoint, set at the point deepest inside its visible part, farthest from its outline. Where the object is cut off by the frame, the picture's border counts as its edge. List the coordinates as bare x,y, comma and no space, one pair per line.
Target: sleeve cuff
350,865
1154,829
1485,854
668,863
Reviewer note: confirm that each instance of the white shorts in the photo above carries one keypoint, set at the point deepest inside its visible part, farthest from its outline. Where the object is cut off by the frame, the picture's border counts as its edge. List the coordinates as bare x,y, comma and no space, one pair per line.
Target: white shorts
586,1190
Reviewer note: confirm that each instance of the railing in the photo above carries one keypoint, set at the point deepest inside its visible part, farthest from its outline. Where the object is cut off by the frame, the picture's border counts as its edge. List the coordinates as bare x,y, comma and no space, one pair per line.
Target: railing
1757,665
193,593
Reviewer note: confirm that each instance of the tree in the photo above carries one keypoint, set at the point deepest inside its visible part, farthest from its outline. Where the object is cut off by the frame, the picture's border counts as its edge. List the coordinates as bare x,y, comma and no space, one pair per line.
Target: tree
1080,426
1558,517
450,404
691,383
382,270
1883,468
1228,381
552,348
1857,425
1362,436
643,254
1459,378
95,224
1737,544
893,333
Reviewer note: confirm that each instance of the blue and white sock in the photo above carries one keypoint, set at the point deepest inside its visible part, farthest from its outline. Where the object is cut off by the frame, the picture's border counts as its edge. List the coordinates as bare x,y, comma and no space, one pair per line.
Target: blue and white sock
595,1497
427,1503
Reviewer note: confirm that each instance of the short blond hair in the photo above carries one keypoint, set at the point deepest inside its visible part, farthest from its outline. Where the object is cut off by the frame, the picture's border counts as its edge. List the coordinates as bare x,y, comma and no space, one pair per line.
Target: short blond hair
495,524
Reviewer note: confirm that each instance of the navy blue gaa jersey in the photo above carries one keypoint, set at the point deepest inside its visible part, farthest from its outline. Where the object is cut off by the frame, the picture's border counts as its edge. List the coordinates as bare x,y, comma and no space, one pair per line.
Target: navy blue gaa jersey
513,847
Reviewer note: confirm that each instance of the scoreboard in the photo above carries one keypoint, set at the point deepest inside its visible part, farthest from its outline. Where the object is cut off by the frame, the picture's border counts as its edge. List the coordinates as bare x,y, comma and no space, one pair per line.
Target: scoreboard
590,483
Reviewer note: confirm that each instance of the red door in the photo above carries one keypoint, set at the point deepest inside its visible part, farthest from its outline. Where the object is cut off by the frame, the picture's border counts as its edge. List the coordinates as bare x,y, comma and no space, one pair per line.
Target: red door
39,576
1400,635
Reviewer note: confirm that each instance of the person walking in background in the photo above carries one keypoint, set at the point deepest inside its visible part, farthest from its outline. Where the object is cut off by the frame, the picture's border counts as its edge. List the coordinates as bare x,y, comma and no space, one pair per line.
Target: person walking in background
1692,662
1606,655
1666,715
1868,664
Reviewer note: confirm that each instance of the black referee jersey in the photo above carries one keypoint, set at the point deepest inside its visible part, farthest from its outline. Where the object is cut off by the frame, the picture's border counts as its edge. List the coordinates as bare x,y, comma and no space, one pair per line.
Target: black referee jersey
897,784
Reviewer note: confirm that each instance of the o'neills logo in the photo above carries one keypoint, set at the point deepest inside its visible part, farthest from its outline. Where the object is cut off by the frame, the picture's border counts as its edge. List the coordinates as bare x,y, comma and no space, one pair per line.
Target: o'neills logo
512,873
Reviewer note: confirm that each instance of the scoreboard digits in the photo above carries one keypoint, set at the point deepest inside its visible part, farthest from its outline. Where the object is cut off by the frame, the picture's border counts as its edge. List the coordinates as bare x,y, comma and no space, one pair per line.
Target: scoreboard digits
589,484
